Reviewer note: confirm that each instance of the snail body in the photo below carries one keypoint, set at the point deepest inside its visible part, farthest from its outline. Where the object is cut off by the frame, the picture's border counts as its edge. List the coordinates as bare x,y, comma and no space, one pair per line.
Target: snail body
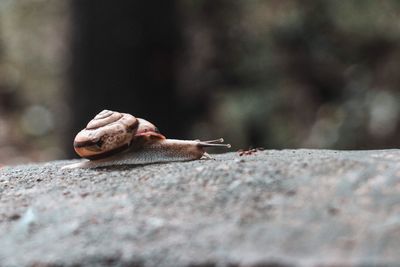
114,138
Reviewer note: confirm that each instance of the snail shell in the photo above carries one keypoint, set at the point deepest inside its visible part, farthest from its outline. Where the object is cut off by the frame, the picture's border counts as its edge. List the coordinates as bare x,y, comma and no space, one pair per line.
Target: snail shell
110,132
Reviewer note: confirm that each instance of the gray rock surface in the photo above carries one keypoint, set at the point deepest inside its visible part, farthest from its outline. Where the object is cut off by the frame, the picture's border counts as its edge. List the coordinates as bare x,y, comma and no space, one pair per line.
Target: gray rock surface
272,208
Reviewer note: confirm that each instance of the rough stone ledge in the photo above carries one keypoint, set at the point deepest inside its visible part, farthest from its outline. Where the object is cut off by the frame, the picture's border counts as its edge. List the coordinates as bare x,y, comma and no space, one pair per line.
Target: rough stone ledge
272,208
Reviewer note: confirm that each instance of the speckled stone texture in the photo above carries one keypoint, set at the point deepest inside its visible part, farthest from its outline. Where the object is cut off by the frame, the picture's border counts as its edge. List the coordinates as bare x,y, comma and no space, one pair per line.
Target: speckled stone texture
272,208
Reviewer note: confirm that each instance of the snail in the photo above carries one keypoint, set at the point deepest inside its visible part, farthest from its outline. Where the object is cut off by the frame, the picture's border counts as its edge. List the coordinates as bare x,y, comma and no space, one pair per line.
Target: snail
114,138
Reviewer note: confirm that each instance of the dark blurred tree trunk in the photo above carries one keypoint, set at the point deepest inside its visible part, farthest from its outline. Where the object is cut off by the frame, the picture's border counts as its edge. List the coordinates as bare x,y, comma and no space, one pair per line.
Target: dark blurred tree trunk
123,58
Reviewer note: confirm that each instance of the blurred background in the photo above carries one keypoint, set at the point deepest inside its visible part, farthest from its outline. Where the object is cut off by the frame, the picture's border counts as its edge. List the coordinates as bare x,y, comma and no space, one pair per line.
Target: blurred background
274,74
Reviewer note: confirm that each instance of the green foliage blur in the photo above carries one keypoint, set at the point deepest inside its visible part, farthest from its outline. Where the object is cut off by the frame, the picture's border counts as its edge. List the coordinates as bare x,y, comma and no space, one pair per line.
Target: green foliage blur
315,74
278,74
33,39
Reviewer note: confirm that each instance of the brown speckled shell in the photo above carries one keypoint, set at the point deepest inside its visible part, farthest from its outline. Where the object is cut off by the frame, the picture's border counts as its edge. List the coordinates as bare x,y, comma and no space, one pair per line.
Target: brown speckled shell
108,133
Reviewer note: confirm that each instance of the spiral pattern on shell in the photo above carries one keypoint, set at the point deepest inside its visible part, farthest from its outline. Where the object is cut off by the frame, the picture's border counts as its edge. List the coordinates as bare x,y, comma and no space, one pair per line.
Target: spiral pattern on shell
107,133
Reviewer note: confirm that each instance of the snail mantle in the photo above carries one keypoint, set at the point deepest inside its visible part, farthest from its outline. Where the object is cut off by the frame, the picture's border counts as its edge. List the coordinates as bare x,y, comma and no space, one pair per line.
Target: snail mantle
114,138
